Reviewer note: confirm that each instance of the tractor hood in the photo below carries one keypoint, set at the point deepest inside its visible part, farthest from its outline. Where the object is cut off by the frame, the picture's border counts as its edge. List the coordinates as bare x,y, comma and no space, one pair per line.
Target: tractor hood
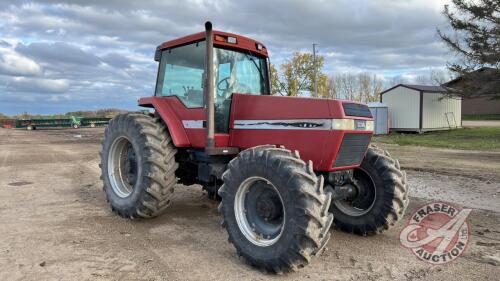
315,127
264,107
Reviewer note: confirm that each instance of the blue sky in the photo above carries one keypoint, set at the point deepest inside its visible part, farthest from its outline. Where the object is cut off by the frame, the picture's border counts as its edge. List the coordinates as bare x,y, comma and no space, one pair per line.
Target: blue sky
59,56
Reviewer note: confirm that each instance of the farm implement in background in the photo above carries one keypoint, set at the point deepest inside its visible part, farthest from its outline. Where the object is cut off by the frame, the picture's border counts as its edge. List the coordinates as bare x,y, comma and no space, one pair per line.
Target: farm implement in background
73,122
7,123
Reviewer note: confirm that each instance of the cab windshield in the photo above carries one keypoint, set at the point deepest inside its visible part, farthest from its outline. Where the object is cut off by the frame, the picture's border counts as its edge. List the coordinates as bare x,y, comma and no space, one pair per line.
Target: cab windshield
238,72
182,70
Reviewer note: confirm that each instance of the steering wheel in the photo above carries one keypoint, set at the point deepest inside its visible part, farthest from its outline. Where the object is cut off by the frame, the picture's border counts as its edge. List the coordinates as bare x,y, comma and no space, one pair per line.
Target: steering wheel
225,80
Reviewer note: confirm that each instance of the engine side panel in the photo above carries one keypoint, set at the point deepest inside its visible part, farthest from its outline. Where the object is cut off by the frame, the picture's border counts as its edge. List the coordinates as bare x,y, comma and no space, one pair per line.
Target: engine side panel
296,123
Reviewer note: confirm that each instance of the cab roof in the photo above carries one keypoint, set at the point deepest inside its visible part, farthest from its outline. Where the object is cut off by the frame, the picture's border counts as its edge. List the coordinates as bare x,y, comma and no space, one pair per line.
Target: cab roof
242,42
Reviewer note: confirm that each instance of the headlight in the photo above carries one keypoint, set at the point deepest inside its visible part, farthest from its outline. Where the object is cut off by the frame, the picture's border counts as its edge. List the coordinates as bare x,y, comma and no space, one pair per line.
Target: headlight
352,125
343,124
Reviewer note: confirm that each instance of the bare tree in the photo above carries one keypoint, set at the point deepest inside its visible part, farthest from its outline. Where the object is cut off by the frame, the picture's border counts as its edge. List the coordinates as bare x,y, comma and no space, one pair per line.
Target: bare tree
350,86
396,80
376,88
422,79
334,87
364,87
438,77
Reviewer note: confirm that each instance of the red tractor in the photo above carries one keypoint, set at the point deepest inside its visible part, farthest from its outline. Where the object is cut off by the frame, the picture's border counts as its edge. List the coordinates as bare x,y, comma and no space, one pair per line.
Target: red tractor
216,124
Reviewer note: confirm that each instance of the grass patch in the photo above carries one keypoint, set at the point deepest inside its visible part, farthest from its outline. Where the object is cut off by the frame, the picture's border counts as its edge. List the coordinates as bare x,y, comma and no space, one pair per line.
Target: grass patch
467,138
481,117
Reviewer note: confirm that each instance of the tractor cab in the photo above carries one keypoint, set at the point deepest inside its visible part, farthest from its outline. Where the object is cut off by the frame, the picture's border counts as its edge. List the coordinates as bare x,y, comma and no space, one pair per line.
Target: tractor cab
240,65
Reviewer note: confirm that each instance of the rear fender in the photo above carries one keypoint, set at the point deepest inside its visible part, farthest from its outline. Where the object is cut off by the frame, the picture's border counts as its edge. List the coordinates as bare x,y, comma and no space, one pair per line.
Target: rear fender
168,115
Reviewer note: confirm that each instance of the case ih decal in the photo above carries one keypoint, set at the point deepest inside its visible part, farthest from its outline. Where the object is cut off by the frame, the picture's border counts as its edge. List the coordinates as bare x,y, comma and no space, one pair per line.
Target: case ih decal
297,124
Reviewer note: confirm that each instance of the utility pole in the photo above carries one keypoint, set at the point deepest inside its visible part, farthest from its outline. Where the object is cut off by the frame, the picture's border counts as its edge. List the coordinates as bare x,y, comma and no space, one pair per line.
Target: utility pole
315,71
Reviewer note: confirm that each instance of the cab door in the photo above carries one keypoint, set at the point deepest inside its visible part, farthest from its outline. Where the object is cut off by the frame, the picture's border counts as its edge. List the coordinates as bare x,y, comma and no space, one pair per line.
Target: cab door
179,90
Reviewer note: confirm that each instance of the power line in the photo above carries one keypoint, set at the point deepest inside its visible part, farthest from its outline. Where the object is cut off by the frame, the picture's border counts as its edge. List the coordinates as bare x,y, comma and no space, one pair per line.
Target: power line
315,70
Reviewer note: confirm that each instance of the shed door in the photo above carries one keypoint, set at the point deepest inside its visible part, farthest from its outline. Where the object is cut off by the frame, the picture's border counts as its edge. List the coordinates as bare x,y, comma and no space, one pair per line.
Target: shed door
381,121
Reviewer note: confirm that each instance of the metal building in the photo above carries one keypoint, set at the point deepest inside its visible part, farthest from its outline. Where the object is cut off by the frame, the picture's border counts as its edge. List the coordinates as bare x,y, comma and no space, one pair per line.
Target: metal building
421,108
380,115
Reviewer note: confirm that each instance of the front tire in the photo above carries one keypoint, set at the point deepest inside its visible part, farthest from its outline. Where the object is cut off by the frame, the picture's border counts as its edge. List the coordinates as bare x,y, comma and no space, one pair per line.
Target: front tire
138,166
381,200
274,209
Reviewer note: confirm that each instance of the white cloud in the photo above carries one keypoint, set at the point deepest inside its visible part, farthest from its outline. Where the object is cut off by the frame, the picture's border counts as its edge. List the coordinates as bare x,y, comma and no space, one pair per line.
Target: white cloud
100,52
15,64
38,85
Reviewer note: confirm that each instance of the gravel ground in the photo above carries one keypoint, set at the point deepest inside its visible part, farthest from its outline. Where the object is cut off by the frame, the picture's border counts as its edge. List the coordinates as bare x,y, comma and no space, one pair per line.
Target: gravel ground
56,224
481,123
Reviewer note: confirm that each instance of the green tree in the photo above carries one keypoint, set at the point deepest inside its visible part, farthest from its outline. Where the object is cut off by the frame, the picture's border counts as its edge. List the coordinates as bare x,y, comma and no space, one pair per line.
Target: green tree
325,89
477,41
298,74
276,87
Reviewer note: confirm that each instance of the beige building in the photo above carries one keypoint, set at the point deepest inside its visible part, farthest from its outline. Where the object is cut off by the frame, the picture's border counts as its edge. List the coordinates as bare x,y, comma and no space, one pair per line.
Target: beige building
420,108
479,106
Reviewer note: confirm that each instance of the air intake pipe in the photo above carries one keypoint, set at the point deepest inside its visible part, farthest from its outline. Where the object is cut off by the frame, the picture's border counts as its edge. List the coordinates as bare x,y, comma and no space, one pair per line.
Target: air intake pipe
209,86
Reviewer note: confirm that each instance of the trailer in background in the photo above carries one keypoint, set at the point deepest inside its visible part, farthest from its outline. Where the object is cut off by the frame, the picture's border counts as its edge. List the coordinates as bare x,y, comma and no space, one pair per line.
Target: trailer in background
7,123
94,121
73,122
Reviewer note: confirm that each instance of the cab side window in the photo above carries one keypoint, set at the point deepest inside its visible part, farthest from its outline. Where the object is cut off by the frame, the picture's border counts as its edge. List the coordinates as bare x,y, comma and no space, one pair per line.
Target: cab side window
181,74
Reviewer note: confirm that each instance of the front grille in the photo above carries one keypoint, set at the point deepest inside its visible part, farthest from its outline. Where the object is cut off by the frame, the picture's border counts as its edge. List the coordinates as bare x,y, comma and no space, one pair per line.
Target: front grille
352,150
356,109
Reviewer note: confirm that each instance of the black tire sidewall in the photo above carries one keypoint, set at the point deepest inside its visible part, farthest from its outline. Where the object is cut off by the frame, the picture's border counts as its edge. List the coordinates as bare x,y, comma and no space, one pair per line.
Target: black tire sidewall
282,184
381,207
127,129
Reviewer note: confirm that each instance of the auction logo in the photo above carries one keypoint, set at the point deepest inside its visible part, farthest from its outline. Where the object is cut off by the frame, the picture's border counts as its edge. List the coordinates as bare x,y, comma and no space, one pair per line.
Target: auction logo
437,233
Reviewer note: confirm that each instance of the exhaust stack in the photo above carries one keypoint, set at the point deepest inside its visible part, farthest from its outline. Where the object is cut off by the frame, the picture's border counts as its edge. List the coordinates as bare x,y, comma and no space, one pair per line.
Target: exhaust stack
209,86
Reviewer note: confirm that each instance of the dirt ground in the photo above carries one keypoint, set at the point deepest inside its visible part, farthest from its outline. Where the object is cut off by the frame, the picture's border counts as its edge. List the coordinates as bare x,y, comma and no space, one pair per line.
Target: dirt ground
56,224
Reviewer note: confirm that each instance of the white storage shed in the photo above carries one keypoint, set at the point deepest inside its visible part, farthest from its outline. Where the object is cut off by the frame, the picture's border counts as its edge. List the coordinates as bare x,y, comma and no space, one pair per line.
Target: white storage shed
420,108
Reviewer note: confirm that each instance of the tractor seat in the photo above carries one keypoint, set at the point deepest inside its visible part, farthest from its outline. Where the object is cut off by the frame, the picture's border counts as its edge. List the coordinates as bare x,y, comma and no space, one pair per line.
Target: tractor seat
194,97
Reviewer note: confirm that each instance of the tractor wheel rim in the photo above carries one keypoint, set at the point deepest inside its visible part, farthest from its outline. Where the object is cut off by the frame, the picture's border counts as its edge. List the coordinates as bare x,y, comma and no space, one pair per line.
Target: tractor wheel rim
122,167
365,199
259,211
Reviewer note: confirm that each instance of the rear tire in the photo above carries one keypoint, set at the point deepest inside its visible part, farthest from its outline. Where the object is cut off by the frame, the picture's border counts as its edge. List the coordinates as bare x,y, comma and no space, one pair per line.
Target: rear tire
381,177
138,165
299,226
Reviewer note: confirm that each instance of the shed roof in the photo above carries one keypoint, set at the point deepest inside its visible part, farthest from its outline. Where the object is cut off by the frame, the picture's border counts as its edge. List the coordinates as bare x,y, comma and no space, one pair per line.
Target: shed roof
423,88
485,70
376,104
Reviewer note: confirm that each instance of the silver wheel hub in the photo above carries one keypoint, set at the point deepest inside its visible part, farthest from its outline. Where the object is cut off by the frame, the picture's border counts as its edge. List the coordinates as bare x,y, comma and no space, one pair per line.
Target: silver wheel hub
122,167
364,199
259,211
